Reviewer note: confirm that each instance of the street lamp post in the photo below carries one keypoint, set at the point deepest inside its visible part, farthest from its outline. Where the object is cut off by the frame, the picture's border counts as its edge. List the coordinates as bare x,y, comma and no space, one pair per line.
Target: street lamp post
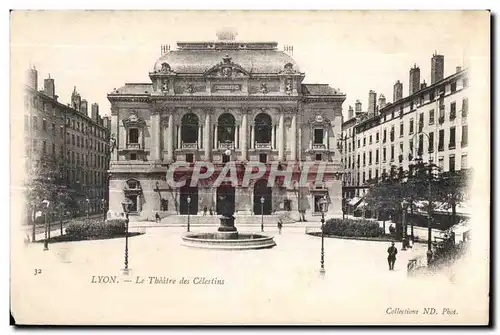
189,213
126,203
404,204
103,202
46,240
262,213
33,219
88,206
323,203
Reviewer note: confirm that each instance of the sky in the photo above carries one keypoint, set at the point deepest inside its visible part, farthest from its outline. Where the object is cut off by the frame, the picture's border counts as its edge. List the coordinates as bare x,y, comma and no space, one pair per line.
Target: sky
354,51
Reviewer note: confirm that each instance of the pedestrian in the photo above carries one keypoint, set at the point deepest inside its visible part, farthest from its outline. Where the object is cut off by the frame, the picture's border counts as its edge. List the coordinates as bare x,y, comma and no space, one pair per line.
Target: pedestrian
205,209
392,229
280,225
211,210
158,218
391,258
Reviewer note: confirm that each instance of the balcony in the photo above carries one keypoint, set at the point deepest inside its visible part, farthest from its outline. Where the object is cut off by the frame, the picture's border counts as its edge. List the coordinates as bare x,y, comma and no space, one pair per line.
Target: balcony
317,146
189,146
226,145
133,146
260,146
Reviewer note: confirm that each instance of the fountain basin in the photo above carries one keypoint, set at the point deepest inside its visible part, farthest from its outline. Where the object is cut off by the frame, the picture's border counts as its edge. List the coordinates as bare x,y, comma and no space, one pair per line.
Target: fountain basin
228,241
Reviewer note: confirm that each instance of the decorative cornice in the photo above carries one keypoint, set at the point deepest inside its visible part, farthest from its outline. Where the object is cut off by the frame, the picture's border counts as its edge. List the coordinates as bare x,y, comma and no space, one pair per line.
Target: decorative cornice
333,99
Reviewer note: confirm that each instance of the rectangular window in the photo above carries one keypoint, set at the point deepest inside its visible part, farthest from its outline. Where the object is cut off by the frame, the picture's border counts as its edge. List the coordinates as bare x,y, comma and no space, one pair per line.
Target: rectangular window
452,138
463,163
392,134
133,157
318,136
412,105
420,122
453,111
371,139
401,150
431,116
392,153
358,161
431,142
359,143
44,125
452,162
61,131
369,174
384,154
263,158
376,156
364,141
364,158
453,86
401,129
189,158
420,150
376,137
133,135
411,126
441,162
319,157
431,95
401,111
441,140
73,139
384,137
465,107
370,158
376,174
364,177
465,136
410,146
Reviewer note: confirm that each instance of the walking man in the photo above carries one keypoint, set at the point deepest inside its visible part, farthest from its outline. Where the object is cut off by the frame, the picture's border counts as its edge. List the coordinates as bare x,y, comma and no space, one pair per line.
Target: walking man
205,210
391,258
280,225
157,217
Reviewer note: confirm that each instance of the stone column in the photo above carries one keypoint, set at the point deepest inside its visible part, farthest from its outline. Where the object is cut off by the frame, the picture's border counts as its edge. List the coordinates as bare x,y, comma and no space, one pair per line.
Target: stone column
281,142
199,137
325,138
252,137
237,135
273,145
244,139
293,138
170,135
300,143
208,147
179,139
156,130
216,139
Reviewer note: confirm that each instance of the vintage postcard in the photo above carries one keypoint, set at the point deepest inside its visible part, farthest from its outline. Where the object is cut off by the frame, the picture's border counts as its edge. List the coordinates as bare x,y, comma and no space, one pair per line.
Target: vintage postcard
250,167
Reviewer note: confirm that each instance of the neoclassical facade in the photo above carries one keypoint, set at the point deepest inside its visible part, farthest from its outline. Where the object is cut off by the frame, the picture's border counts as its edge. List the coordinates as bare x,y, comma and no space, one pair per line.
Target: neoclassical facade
219,102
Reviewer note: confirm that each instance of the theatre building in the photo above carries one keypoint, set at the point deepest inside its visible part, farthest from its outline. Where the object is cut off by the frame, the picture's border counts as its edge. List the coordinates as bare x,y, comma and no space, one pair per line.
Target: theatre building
218,102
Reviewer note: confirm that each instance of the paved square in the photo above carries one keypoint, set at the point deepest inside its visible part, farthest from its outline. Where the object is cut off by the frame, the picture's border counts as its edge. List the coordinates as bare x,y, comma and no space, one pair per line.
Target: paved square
272,285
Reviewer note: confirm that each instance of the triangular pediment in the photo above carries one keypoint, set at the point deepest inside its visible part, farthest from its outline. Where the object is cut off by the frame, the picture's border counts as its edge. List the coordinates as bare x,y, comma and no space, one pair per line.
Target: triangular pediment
227,69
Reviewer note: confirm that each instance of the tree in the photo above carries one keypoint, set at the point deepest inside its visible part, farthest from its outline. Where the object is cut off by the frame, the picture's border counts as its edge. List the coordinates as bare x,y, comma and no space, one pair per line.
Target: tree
452,190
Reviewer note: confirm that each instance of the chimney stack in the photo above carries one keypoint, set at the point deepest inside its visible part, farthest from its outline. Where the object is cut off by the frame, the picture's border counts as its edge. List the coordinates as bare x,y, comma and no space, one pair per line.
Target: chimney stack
95,111
32,78
49,88
76,100
372,103
423,85
350,113
84,107
437,68
414,79
357,106
459,68
381,101
398,91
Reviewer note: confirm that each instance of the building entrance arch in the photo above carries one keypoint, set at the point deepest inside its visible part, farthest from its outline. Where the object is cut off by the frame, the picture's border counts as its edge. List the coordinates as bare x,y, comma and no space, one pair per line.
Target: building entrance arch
261,190
185,192
225,197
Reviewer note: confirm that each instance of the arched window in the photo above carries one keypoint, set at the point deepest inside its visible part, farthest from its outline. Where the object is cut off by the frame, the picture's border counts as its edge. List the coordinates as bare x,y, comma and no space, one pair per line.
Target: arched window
133,184
189,128
263,126
226,128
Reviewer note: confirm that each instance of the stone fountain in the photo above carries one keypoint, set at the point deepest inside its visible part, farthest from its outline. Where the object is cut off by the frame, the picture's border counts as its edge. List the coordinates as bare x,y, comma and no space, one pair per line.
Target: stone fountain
227,236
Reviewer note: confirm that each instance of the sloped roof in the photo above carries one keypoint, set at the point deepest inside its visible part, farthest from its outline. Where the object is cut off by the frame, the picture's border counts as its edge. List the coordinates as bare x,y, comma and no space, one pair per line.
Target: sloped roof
134,88
199,61
319,89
